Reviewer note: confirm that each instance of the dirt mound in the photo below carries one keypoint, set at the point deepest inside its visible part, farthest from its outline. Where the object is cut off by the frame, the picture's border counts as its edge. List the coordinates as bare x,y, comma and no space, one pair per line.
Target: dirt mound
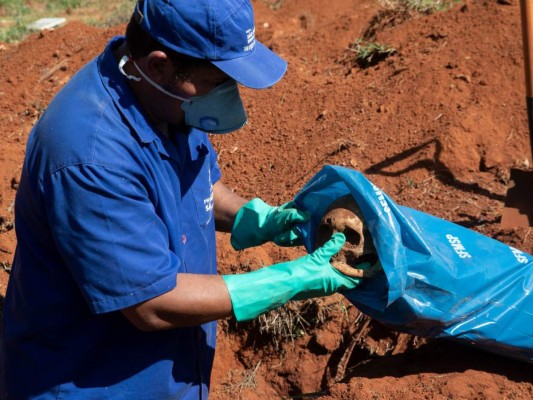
437,125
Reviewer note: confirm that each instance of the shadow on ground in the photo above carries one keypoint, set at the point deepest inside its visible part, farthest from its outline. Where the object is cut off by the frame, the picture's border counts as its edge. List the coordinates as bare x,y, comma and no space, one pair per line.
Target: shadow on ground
440,357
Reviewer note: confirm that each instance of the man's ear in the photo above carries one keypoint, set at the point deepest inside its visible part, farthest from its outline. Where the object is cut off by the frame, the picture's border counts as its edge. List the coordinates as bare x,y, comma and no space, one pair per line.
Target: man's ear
158,65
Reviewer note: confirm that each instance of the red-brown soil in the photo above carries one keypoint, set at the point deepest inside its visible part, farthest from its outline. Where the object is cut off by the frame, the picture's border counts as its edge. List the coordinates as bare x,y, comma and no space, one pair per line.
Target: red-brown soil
437,126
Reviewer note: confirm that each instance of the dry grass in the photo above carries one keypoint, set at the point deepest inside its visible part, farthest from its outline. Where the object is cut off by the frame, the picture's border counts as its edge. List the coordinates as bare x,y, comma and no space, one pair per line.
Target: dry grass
239,380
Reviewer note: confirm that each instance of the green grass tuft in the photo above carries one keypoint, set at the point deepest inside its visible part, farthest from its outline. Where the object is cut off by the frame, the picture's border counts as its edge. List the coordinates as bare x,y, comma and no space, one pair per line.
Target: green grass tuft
420,6
370,53
15,15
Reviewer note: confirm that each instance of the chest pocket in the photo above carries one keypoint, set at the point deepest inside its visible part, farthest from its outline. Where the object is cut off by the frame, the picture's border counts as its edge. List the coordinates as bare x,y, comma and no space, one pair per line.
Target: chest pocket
197,187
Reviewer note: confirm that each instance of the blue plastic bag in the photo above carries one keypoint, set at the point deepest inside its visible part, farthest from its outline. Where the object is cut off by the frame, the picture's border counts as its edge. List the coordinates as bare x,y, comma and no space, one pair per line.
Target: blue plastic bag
439,280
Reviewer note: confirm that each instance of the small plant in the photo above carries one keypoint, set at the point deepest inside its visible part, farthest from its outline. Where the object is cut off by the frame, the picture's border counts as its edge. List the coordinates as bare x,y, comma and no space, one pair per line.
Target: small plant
325,310
16,11
370,53
239,380
396,12
287,323
69,3
14,32
428,6
420,6
273,4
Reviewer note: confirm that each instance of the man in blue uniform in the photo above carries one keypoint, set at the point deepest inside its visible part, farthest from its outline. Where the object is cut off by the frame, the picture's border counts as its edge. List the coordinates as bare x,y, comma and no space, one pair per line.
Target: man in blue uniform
114,291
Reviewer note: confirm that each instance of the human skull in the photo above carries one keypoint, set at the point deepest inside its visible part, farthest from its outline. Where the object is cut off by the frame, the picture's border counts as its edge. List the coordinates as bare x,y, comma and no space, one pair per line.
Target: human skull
344,215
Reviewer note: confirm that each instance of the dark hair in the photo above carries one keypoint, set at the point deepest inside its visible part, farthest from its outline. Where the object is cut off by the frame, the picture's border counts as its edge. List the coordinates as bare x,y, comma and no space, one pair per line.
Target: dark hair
141,44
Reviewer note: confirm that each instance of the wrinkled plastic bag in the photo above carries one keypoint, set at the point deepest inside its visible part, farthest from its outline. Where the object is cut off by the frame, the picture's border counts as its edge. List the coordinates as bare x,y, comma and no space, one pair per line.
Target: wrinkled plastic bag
439,280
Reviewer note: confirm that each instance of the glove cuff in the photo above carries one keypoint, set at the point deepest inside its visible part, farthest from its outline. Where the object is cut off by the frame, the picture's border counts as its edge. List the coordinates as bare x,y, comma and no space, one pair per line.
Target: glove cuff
258,292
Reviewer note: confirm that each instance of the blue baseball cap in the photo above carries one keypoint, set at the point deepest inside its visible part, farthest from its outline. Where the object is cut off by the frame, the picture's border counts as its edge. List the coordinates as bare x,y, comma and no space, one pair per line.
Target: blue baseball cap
221,31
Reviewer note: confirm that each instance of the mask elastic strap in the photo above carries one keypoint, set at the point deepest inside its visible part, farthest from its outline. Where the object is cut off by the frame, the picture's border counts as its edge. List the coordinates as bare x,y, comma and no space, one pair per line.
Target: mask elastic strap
126,59
121,64
158,87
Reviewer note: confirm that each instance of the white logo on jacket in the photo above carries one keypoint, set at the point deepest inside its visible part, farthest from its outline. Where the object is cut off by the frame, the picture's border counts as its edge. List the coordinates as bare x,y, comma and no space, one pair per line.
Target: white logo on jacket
208,202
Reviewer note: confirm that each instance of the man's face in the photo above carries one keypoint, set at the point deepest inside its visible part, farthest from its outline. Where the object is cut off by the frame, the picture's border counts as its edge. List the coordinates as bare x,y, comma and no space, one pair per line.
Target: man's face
198,82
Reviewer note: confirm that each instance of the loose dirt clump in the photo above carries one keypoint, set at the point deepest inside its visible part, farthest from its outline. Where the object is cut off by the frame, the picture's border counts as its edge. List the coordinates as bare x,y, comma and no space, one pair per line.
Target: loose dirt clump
437,125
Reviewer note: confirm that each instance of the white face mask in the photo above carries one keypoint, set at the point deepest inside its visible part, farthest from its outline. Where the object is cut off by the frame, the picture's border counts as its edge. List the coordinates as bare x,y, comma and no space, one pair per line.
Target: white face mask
219,111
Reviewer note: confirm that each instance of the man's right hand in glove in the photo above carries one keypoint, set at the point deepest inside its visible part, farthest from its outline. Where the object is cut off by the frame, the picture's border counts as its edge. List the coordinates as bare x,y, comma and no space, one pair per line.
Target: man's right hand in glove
199,298
260,291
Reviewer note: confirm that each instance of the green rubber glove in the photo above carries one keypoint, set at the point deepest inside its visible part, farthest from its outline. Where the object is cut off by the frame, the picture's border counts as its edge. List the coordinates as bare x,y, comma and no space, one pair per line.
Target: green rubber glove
257,222
265,289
